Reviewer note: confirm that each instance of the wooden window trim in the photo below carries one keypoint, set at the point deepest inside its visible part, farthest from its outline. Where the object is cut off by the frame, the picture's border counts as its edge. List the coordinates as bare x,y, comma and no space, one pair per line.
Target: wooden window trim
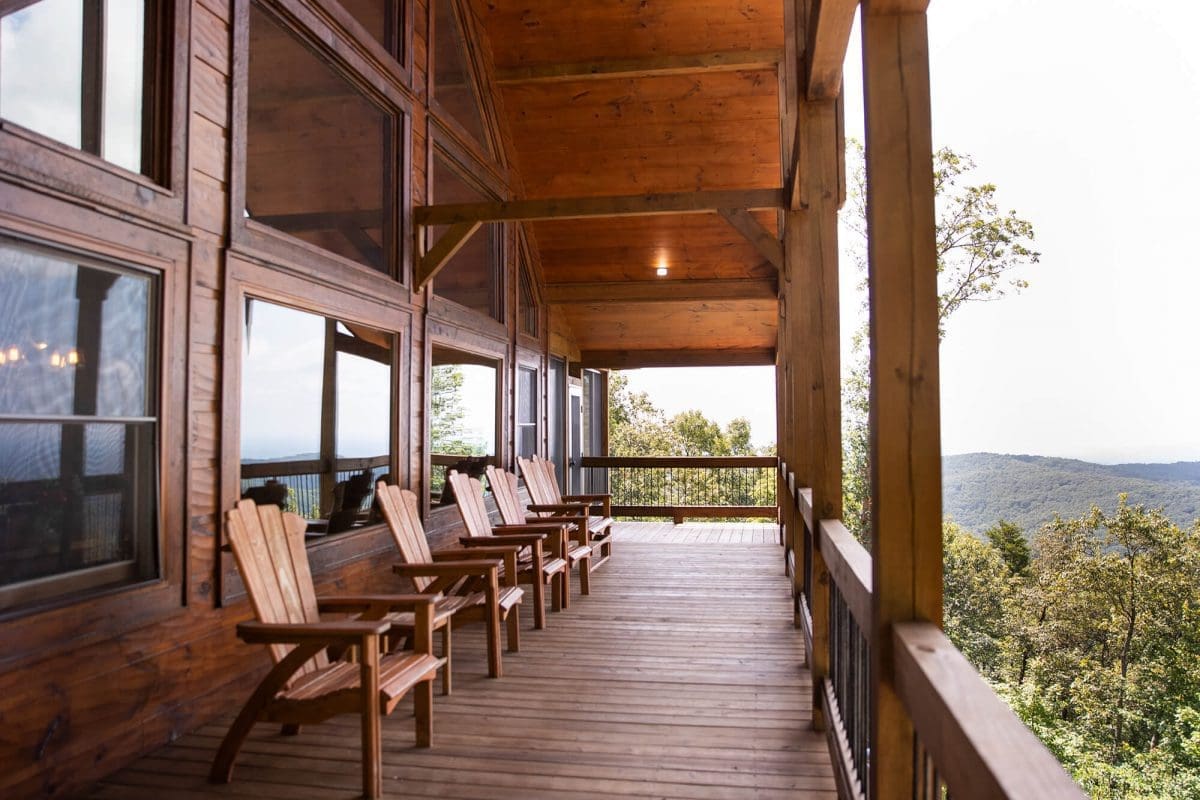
34,160
243,278
534,359
524,268
449,126
35,631
397,66
381,85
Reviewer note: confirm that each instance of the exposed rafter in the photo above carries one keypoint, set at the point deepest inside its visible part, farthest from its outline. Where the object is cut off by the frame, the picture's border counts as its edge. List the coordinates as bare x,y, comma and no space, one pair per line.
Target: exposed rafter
767,243
659,291
633,359
641,67
612,206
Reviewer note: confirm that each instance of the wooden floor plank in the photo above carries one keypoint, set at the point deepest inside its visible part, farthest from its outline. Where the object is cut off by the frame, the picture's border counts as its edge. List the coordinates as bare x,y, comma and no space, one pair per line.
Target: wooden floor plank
679,677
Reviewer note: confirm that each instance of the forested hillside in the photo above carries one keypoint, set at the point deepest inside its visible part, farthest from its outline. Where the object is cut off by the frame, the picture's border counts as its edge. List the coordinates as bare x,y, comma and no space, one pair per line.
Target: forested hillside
982,488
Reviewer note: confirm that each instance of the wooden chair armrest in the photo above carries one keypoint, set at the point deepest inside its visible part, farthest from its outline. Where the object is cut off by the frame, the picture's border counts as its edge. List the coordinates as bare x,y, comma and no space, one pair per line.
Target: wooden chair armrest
390,602
587,498
482,547
573,509
449,567
335,632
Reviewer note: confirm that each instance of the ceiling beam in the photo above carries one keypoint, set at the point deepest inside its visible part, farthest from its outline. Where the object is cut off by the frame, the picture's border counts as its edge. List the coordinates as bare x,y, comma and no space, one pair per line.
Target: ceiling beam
440,254
659,291
829,37
657,66
612,206
766,243
634,359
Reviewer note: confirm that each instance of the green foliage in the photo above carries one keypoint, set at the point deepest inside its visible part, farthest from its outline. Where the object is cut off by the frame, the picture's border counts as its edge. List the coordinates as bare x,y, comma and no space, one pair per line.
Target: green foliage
1009,541
1096,645
446,411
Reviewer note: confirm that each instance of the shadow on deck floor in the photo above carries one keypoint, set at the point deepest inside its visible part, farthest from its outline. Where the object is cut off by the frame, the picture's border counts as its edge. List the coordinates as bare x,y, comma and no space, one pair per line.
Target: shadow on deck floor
680,676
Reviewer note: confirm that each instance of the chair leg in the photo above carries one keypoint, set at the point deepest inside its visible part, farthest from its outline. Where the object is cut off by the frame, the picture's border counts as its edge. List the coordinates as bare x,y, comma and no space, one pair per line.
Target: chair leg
290,729
539,602
372,733
585,576
566,590
556,593
514,629
446,654
495,668
423,705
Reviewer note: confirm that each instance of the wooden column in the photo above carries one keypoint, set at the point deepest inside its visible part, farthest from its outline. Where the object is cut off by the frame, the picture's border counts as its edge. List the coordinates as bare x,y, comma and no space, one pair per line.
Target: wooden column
820,401
905,445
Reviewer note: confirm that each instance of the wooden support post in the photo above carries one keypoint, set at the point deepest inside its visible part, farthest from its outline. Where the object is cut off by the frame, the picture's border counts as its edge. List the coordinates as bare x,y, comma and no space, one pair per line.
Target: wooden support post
821,399
906,498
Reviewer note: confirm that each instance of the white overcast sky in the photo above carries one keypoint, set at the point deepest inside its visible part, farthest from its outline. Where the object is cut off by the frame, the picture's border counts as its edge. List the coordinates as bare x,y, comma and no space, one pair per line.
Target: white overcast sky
1087,117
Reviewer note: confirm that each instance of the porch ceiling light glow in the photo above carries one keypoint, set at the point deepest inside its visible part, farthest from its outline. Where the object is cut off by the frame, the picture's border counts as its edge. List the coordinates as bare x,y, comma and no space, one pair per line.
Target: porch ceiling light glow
661,271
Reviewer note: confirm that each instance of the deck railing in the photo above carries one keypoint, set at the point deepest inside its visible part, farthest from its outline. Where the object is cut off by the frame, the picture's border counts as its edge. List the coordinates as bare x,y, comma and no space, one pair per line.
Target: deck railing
966,741
728,487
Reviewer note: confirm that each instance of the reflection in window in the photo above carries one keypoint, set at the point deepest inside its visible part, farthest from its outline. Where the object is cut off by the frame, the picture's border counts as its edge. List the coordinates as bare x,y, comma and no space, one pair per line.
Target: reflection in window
555,416
74,71
453,85
78,425
318,153
472,277
463,417
383,19
527,408
315,416
527,311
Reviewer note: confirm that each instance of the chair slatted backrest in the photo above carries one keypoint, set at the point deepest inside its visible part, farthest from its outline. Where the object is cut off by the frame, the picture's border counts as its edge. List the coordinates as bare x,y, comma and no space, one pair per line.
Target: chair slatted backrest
506,490
536,480
468,494
268,545
401,511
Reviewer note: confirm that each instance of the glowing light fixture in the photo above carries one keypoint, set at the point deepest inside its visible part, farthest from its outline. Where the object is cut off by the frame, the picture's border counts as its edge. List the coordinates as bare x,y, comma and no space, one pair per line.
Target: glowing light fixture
73,358
14,354
662,267
41,345
56,360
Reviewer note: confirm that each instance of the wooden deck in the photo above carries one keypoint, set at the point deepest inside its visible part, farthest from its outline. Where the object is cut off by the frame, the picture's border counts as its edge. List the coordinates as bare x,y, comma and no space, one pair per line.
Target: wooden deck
680,676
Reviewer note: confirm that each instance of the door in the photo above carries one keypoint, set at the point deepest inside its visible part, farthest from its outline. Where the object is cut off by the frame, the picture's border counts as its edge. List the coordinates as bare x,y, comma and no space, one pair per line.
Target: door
575,462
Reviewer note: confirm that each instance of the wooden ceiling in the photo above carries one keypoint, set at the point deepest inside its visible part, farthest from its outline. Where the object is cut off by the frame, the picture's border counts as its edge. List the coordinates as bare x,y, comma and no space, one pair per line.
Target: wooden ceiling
609,97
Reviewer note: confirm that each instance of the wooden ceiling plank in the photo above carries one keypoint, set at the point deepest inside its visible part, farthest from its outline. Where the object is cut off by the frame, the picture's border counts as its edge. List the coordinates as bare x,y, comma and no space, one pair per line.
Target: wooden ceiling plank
634,359
447,246
600,206
767,244
660,291
657,66
829,36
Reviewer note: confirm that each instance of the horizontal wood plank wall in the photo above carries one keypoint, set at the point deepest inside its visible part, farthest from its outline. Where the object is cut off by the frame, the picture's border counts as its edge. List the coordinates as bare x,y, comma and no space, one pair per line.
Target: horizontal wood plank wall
75,715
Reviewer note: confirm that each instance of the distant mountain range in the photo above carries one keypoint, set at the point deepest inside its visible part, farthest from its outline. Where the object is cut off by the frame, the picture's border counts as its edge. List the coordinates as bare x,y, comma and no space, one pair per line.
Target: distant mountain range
981,488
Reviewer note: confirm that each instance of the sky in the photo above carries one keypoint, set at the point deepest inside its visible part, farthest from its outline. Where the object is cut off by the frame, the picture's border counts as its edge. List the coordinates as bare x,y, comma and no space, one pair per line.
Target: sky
1087,118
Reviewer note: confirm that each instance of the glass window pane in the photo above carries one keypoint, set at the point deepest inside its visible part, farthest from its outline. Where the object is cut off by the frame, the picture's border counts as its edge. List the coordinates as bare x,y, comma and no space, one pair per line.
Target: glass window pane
316,414
527,310
379,17
41,69
318,153
124,37
472,277
73,339
555,413
463,410
526,412
453,85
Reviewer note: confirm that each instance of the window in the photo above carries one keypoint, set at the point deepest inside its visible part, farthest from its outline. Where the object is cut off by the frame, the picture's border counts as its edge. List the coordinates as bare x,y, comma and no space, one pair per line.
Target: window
527,311
316,415
383,20
77,71
555,414
527,411
472,278
320,156
595,416
453,79
463,413
78,425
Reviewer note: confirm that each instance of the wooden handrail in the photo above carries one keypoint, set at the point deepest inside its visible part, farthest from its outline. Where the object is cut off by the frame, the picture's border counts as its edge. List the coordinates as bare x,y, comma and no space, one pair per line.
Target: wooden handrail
314,466
978,744
804,504
678,461
849,566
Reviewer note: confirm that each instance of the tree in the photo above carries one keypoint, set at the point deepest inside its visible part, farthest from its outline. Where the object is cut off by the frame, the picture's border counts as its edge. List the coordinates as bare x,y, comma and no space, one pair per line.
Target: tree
975,581
1009,541
979,250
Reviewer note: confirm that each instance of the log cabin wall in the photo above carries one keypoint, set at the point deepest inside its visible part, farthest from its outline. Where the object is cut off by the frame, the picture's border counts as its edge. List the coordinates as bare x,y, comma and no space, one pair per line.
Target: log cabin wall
88,682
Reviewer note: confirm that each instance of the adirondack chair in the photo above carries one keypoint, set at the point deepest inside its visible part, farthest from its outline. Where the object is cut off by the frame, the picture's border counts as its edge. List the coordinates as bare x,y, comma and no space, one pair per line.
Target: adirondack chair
306,685
549,501
536,566
468,579
506,490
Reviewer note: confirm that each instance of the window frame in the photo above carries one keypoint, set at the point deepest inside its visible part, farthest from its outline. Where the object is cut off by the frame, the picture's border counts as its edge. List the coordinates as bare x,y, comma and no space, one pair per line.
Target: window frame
36,159
248,278
332,35
34,631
